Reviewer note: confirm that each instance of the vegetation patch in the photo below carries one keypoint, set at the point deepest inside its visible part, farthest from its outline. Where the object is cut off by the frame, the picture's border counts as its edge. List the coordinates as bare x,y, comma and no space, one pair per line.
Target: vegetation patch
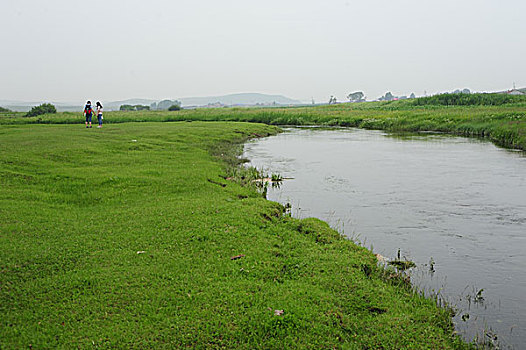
460,99
498,118
402,265
45,108
104,246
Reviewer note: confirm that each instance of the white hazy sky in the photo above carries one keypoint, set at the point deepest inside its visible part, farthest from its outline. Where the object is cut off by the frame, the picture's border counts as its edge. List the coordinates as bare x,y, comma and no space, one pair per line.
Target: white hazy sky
69,50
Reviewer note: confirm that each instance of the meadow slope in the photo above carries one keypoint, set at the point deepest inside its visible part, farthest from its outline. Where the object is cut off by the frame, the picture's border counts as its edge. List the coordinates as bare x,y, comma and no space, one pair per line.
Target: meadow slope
124,237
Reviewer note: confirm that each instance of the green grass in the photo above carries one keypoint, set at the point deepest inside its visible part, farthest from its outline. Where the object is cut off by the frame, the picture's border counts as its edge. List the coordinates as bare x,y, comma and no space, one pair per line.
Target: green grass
461,99
123,237
504,124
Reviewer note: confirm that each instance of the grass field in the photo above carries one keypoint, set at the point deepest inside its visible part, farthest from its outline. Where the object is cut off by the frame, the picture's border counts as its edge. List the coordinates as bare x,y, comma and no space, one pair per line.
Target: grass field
503,124
124,237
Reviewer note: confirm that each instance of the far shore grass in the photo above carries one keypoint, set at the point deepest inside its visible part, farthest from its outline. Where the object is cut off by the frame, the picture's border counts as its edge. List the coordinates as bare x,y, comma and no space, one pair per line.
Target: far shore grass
503,124
131,236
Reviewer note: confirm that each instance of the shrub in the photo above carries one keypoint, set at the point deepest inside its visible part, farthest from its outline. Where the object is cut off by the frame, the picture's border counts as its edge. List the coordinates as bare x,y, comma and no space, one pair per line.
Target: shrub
127,108
134,108
45,108
174,107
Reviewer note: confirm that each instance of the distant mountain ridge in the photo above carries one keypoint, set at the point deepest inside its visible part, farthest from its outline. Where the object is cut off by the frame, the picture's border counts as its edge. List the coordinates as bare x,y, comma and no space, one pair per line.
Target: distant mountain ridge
231,99
132,101
523,90
240,99
25,106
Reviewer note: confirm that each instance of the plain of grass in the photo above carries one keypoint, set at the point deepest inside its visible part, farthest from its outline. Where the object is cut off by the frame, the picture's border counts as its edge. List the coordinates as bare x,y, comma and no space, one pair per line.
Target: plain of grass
123,237
503,124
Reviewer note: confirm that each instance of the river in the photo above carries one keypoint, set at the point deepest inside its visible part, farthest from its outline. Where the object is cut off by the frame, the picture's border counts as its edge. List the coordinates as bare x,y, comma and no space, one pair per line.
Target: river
455,206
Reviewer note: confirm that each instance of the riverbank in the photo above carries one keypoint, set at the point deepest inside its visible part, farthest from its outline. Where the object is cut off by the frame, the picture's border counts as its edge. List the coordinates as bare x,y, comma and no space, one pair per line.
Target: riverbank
131,236
503,124
444,202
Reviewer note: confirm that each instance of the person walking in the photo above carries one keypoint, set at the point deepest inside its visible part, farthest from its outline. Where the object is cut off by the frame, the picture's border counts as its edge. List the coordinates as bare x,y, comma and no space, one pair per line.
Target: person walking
88,112
99,114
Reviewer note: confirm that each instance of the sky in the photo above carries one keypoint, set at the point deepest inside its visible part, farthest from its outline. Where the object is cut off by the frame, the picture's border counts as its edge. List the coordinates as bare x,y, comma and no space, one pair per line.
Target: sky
69,50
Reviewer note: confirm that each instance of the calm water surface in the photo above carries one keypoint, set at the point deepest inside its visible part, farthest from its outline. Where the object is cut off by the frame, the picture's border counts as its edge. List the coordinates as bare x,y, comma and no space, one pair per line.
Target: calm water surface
460,203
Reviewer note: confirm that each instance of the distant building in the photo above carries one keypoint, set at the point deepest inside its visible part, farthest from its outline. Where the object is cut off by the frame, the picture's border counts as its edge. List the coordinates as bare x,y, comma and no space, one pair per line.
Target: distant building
515,92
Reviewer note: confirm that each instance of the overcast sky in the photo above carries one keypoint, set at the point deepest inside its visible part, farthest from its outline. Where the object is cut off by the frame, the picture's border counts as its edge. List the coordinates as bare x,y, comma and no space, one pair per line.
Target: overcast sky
69,50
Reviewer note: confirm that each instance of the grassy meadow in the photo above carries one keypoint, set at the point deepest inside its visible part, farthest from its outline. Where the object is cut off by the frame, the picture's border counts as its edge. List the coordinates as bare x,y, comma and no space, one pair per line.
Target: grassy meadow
499,118
127,236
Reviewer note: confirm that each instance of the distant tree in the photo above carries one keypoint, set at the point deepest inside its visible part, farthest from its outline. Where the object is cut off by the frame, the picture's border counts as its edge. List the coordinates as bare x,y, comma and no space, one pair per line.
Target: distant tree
463,91
412,95
357,96
332,100
174,107
141,108
4,110
387,97
126,108
45,108
165,104
134,108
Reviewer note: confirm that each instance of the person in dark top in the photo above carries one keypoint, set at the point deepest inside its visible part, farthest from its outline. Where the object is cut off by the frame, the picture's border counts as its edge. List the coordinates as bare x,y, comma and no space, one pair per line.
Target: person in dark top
88,112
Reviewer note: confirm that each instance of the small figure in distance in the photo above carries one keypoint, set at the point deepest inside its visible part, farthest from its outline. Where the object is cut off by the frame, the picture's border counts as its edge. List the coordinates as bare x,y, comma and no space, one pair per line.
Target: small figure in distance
88,111
99,114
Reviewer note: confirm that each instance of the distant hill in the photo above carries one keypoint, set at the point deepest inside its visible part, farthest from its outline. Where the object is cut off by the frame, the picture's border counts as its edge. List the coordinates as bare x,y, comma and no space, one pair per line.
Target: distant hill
241,99
132,101
523,90
248,99
25,106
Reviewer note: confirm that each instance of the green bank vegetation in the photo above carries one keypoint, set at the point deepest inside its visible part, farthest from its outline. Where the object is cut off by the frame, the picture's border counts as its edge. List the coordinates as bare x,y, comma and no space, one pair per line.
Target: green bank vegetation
150,235
134,108
133,236
499,118
461,99
45,108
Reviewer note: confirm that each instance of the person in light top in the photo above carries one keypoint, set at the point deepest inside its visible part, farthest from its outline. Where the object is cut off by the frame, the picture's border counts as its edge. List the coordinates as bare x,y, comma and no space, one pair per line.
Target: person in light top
99,114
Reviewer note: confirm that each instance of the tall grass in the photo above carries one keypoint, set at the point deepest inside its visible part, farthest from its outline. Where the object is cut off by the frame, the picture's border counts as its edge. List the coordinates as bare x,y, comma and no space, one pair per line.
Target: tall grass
469,99
504,124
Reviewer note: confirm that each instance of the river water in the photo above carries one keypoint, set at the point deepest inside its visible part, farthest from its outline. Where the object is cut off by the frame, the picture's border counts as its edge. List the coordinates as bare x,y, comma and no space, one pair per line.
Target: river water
455,206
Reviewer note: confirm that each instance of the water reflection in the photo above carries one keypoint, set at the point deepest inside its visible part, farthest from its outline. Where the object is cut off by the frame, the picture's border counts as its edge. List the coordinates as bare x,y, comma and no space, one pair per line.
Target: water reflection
460,202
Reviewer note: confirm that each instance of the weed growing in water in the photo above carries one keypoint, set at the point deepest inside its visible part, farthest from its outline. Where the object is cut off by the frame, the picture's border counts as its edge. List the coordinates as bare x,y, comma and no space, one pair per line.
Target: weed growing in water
431,265
276,178
401,265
